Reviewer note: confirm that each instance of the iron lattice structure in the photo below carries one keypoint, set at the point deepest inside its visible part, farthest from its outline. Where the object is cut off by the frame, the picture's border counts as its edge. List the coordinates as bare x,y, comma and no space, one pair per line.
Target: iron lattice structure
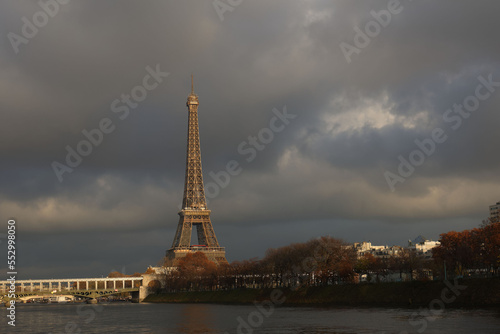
194,207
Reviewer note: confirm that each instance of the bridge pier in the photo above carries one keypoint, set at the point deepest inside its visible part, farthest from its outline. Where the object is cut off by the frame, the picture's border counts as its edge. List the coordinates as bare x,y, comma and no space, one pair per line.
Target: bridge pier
145,289
143,293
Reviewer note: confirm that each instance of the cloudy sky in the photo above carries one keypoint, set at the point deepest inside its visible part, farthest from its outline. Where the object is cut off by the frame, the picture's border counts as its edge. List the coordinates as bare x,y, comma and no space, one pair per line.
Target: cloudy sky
388,129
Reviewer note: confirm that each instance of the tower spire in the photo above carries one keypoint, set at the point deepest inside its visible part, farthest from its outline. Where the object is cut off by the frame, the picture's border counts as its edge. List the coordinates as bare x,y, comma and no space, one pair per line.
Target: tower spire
192,84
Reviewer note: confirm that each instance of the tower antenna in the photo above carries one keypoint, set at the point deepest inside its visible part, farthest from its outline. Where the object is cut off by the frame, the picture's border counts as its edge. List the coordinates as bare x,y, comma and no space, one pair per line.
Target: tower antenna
192,85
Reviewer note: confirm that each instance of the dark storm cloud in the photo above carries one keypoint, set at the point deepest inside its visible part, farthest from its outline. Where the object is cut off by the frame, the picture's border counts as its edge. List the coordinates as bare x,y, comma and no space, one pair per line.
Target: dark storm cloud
323,172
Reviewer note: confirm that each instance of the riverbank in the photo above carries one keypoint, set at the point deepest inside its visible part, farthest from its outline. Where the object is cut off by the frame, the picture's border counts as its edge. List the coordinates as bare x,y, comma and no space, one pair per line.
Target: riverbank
471,293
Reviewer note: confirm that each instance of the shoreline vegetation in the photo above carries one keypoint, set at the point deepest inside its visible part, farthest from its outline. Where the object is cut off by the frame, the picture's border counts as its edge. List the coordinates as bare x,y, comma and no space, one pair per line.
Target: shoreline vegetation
330,272
468,293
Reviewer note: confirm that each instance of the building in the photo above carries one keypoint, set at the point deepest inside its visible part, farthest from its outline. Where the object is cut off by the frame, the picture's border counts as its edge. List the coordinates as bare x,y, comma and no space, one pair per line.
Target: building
495,211
422,246
382,252
194,212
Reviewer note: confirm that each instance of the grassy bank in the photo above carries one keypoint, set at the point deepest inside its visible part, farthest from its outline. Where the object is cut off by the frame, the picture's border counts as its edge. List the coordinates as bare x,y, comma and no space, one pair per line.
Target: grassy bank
468,293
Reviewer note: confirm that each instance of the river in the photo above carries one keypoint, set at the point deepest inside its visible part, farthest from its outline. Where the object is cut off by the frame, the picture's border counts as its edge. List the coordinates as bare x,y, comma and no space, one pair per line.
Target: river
215,319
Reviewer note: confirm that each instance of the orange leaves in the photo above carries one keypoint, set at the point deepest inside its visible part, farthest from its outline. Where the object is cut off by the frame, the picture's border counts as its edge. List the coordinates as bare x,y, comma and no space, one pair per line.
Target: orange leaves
195,264
478,248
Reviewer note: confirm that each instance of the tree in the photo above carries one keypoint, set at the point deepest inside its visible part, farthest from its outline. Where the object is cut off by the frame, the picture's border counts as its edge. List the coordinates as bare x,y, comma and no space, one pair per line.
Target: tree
326,259
490,245
194,269
369,264
245,273
478,248
406,261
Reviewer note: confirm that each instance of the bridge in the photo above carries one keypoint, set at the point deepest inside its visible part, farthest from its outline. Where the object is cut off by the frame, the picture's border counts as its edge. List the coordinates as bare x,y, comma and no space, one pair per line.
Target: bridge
91,288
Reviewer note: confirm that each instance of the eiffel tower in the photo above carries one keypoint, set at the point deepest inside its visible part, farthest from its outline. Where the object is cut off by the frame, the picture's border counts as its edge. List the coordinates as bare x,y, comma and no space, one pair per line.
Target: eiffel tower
194,208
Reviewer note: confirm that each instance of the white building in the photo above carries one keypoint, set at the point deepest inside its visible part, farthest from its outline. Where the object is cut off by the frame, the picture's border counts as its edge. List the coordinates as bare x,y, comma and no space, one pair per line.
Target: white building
384,252
495,211
423,246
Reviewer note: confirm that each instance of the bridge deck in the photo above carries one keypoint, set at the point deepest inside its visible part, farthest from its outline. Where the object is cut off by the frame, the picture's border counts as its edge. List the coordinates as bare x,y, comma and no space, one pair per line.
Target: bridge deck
72,284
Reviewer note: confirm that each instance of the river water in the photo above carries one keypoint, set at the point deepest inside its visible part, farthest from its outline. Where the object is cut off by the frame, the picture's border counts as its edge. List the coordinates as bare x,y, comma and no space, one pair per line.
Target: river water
215,319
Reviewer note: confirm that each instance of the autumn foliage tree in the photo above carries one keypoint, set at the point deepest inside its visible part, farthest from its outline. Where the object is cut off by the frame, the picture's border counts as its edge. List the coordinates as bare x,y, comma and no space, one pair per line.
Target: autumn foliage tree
319,261
246,273
490,248
476,249
409,262
115,274
335,258
328,260
369,264
194,272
